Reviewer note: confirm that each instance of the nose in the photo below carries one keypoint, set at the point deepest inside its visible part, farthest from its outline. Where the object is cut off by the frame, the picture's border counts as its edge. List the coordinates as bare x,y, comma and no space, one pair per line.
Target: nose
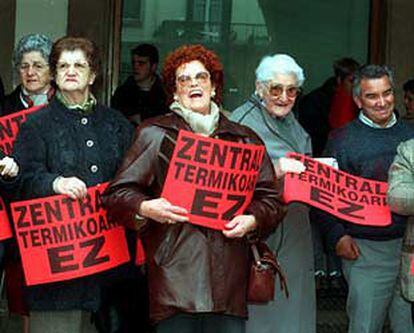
71,70
283,95
193,81
381,101
30,70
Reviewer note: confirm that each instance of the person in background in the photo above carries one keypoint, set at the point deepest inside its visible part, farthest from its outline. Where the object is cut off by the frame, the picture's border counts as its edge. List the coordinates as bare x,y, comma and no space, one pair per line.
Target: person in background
31,62
408,88
327,107
142,95
69,145
371,255
268,112
197,276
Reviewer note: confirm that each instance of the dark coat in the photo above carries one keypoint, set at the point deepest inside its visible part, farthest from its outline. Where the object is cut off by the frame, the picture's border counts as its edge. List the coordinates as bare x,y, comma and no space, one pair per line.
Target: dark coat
12,102
56,141
131,100
190,268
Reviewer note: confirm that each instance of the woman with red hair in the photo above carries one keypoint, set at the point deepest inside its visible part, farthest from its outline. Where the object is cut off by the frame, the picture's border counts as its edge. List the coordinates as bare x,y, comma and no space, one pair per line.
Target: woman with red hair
197,276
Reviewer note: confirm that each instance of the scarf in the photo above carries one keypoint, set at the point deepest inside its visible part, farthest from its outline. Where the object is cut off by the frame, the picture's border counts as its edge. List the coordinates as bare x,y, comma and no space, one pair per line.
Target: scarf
30,100
86,107
199,123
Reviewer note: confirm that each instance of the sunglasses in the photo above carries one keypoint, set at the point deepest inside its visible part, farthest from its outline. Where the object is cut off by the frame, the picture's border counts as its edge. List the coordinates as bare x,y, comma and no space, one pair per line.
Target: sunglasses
186,80
276,90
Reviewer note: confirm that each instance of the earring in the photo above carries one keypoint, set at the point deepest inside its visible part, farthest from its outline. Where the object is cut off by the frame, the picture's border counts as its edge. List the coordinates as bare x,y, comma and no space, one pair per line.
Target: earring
213,94
175,98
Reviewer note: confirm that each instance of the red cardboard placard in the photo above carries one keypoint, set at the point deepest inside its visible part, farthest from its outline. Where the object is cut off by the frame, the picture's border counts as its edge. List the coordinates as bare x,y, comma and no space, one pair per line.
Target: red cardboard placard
5,229
211,178
354,199
10,126
61,239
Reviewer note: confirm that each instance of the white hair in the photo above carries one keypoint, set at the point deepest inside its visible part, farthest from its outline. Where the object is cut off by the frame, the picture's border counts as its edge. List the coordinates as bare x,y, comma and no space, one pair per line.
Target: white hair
279,64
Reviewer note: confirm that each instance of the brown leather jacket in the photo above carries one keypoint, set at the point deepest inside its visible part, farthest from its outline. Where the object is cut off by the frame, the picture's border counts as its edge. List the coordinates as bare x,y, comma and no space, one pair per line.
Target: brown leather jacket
190,268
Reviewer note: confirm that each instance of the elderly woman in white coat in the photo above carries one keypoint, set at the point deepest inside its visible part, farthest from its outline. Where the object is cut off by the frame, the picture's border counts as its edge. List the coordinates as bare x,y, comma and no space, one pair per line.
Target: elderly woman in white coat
268,113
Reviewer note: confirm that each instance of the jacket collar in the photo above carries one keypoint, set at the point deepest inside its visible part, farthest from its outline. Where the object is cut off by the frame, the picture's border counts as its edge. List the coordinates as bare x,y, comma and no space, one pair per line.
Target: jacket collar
225,126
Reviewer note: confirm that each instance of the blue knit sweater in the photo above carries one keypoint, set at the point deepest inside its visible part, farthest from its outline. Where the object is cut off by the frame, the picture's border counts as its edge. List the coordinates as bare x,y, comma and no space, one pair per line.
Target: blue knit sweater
366,152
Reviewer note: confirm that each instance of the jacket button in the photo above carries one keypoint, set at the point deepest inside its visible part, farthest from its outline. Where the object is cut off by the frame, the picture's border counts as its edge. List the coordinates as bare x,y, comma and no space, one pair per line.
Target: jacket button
94,168
89,143
84,121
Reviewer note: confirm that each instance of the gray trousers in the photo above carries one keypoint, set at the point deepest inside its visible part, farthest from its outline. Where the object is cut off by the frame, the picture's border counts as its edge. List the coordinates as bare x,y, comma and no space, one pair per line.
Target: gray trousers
75,321
374,288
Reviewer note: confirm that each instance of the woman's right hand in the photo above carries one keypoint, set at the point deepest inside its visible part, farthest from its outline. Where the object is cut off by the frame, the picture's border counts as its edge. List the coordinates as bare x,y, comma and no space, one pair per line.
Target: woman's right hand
162,211
286,164
9,167
73,187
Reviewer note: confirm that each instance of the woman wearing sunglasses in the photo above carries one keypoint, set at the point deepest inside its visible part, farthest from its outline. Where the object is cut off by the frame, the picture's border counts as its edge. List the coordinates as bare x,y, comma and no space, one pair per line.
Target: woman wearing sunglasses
268,112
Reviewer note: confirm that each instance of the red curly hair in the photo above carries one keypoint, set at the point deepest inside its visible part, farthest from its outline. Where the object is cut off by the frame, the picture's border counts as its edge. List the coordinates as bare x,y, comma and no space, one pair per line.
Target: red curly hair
188,53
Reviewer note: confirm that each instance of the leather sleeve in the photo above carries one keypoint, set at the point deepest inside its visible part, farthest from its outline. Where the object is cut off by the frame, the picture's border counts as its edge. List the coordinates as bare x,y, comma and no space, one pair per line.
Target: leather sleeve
133,181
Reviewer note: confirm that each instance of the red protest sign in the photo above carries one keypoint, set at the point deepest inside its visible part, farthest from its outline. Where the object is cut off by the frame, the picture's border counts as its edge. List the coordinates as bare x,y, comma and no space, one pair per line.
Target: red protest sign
61,239
215,179
139,254
9,128
5,229
354,199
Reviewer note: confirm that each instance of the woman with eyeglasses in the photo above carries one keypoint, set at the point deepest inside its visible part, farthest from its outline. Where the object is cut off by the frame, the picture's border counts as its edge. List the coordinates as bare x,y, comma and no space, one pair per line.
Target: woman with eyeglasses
71,144
268,111
197,276
31,62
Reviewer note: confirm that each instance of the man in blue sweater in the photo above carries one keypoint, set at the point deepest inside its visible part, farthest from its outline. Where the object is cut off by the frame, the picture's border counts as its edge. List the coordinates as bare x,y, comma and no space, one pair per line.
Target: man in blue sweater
370,255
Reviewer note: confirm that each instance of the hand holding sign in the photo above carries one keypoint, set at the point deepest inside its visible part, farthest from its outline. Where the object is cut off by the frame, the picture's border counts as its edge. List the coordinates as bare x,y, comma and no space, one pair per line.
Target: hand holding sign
285,165
162,211
73,187
347,248
8,167
239,226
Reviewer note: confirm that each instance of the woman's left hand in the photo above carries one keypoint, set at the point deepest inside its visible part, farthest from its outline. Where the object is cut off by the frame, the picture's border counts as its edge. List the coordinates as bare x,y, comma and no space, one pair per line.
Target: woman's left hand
239,226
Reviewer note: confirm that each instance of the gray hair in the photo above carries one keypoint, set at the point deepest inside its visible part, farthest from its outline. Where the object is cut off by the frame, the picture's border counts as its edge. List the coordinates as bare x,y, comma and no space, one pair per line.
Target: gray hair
368,72
30,43
279,64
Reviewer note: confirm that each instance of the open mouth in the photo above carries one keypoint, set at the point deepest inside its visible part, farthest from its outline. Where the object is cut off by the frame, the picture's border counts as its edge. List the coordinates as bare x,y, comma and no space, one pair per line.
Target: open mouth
196,93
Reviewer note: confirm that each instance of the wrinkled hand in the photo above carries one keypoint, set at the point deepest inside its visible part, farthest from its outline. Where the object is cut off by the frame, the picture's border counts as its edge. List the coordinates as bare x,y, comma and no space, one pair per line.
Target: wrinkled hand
8,167
240,226
347,248
73,187
162,211
285,164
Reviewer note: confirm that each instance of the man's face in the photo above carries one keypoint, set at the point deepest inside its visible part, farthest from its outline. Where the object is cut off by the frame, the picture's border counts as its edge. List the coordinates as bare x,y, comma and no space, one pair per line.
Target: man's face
376,99
142,68
409,102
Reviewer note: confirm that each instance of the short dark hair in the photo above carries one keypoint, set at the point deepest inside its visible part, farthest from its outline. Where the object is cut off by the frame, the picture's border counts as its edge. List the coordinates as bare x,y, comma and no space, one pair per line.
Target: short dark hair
71,44
344,67
370,72
408,86
146,50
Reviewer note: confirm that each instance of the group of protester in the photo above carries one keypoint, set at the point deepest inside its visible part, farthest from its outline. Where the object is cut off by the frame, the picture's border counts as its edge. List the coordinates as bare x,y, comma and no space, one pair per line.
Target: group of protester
195,278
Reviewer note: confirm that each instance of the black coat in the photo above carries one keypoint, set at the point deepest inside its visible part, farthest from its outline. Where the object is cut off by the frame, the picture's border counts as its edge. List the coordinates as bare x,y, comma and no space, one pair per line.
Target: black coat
131,100
12,102
56,141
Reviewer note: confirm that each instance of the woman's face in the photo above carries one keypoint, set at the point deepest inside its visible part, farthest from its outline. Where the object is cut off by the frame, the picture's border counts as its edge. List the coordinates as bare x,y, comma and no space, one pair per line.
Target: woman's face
279,94
34,72
193,87
73,73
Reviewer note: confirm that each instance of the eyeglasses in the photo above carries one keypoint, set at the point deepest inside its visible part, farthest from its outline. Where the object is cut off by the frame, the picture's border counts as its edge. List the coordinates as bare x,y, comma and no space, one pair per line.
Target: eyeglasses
276,90
36,66
78,66
186,80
